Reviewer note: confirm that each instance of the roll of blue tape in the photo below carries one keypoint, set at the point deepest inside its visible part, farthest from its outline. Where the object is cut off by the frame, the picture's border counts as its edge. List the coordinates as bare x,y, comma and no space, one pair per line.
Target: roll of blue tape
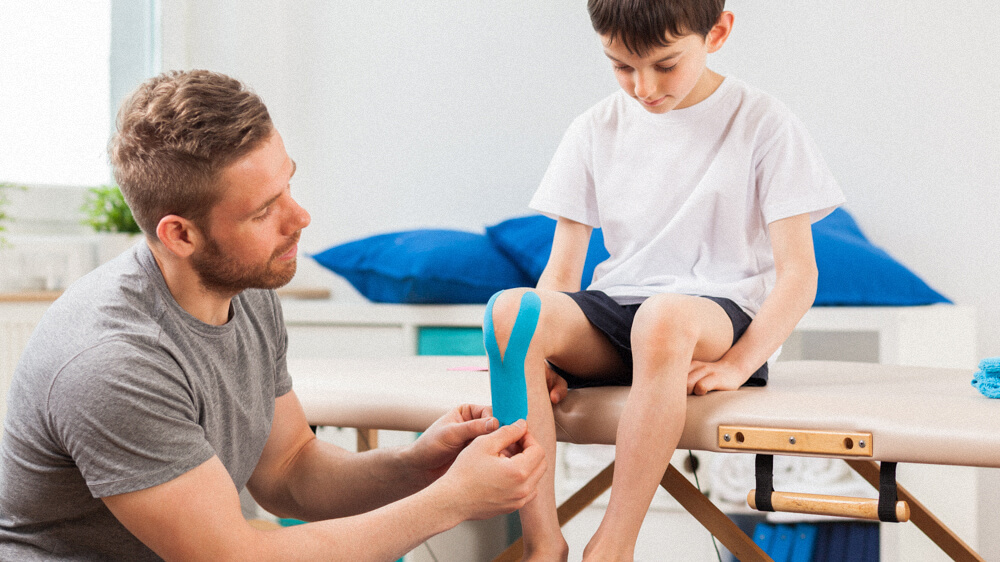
507,385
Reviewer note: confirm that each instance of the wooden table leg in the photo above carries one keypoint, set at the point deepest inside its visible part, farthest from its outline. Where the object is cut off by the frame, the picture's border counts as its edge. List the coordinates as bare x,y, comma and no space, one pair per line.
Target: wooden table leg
711,517
930,525
367,439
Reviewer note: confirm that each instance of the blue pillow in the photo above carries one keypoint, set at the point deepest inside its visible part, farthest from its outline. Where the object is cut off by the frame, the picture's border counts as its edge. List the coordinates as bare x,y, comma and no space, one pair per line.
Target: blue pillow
527,241
424,267
854,272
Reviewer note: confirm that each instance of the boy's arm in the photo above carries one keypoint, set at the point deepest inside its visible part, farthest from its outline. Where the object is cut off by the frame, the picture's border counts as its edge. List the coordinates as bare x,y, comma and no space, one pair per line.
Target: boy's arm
569,253
794,292
197,515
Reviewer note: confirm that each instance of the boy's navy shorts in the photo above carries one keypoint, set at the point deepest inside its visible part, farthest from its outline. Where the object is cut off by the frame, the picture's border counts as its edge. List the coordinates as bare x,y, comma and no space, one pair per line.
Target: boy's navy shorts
615,322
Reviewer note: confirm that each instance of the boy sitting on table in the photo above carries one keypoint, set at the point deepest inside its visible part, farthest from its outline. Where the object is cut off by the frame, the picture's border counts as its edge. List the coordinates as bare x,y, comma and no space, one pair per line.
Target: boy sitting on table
705,189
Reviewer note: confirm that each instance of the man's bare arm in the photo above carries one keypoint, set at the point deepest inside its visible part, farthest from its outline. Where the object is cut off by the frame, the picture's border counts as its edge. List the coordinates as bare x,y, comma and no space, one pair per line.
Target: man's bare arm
197,515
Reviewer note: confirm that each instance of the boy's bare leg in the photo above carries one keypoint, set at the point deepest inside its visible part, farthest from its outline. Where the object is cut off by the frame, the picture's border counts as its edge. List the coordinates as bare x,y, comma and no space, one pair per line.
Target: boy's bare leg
565,337
669,330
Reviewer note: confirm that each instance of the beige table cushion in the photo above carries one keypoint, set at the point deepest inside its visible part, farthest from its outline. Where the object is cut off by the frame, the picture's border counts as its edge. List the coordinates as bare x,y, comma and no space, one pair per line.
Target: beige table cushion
915,414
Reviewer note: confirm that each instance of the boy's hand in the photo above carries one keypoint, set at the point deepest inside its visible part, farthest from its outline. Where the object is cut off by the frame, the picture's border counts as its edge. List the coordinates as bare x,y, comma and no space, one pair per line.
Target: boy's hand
486,480
557,386
706,377
437,447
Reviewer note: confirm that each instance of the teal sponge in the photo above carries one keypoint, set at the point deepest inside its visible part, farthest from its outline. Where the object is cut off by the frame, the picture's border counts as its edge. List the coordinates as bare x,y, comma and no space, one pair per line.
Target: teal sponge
987,378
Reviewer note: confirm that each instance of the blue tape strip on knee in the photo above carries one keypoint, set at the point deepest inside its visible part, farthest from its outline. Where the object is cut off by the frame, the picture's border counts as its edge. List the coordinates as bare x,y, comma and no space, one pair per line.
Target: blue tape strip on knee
507,385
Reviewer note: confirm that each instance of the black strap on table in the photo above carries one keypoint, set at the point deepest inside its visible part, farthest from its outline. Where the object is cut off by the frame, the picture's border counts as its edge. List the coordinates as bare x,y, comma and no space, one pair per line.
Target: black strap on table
765,482
887,492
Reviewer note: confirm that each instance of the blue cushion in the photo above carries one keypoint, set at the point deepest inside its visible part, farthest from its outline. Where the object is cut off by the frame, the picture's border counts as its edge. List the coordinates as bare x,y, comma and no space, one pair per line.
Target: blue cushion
424,267
852,271
527,241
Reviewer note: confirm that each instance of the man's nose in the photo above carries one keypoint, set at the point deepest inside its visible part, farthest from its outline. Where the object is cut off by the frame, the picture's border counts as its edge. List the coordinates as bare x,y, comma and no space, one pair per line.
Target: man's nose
298,217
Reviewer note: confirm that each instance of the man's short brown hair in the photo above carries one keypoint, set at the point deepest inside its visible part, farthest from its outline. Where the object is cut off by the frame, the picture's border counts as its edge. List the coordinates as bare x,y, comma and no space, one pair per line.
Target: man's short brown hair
643,25
175,135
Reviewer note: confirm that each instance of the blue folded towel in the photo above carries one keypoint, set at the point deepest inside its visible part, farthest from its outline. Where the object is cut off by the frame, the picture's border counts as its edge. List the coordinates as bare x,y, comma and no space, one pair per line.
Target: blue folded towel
987,378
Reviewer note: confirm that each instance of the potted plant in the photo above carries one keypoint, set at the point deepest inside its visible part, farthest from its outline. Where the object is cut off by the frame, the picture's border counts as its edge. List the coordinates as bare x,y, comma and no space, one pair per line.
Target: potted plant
107,213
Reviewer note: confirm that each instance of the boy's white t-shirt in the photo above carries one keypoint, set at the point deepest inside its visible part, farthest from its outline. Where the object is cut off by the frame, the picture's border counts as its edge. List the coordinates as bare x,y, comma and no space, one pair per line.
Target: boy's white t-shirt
684,198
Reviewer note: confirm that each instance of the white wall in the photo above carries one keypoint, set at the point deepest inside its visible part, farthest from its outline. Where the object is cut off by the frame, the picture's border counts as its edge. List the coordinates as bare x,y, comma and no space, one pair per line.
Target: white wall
54,82
446,113
902,98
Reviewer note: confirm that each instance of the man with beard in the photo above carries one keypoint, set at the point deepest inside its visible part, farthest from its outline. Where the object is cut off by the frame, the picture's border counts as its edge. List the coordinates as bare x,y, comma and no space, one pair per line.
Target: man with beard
156,387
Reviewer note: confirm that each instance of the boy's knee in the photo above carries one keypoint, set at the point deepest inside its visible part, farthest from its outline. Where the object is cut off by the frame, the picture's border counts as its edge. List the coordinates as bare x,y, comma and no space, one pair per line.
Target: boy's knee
505,309
664,324
552,334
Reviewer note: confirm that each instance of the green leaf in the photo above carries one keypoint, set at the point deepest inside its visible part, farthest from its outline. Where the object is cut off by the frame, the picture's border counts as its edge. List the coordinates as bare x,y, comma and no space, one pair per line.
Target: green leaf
4,201
105,210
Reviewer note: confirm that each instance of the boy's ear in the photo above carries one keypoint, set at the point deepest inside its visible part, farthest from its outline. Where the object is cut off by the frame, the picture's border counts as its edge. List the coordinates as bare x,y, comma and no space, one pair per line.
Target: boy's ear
720,32
178,235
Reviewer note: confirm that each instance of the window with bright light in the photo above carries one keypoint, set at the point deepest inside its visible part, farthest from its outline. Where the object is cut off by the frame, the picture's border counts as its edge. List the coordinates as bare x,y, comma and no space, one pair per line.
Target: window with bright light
54,91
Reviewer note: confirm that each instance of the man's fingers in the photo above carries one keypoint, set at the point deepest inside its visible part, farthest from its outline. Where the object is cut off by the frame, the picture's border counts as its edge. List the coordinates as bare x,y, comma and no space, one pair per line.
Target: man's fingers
468,412
479,411
532,454
506,436
460,434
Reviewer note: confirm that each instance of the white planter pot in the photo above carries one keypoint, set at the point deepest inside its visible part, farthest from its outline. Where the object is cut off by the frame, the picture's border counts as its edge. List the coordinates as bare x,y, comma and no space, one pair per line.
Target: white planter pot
110,244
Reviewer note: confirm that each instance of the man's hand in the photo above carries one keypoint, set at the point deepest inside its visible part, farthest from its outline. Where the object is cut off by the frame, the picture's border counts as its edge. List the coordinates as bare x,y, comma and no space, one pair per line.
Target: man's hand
435,450
487,480
720,375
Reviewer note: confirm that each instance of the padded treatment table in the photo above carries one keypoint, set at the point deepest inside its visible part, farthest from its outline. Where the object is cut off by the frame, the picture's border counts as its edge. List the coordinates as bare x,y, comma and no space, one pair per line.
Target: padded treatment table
859,412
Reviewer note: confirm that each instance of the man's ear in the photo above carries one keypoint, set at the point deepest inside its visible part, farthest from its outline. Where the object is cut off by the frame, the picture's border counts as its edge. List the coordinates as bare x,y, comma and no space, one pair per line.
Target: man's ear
720,32
178,235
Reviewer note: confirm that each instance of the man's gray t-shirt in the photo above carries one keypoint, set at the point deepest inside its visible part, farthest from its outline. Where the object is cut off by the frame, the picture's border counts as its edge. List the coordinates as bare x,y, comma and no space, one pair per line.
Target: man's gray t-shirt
118,390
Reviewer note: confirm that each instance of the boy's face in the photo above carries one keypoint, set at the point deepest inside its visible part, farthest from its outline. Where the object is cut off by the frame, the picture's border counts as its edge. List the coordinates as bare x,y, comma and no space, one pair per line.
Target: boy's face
664,78
671,77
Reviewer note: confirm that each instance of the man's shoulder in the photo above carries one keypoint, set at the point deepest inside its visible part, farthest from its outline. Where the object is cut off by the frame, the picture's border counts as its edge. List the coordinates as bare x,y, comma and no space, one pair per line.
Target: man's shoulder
115,301
110,298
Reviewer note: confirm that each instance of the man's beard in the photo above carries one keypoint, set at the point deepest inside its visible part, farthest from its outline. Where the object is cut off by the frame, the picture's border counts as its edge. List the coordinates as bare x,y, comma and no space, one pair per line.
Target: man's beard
222,274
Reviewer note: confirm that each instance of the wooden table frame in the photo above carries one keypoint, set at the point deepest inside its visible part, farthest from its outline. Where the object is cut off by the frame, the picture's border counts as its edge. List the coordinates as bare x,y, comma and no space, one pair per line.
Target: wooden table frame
734,539
717,522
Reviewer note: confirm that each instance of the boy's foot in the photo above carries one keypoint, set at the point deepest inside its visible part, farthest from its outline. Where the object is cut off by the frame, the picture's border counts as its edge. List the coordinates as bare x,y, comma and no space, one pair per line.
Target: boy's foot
595,553
560,553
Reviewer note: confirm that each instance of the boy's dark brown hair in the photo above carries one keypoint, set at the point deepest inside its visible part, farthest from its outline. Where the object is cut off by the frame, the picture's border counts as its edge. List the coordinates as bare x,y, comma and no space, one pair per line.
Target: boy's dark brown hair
175,134
642,25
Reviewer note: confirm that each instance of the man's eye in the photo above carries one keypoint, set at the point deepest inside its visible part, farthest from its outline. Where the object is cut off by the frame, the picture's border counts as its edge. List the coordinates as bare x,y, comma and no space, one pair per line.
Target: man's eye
665,69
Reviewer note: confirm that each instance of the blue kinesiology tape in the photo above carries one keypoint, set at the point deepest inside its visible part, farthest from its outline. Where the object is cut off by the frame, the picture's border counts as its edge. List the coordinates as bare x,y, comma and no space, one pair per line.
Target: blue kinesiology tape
510,393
